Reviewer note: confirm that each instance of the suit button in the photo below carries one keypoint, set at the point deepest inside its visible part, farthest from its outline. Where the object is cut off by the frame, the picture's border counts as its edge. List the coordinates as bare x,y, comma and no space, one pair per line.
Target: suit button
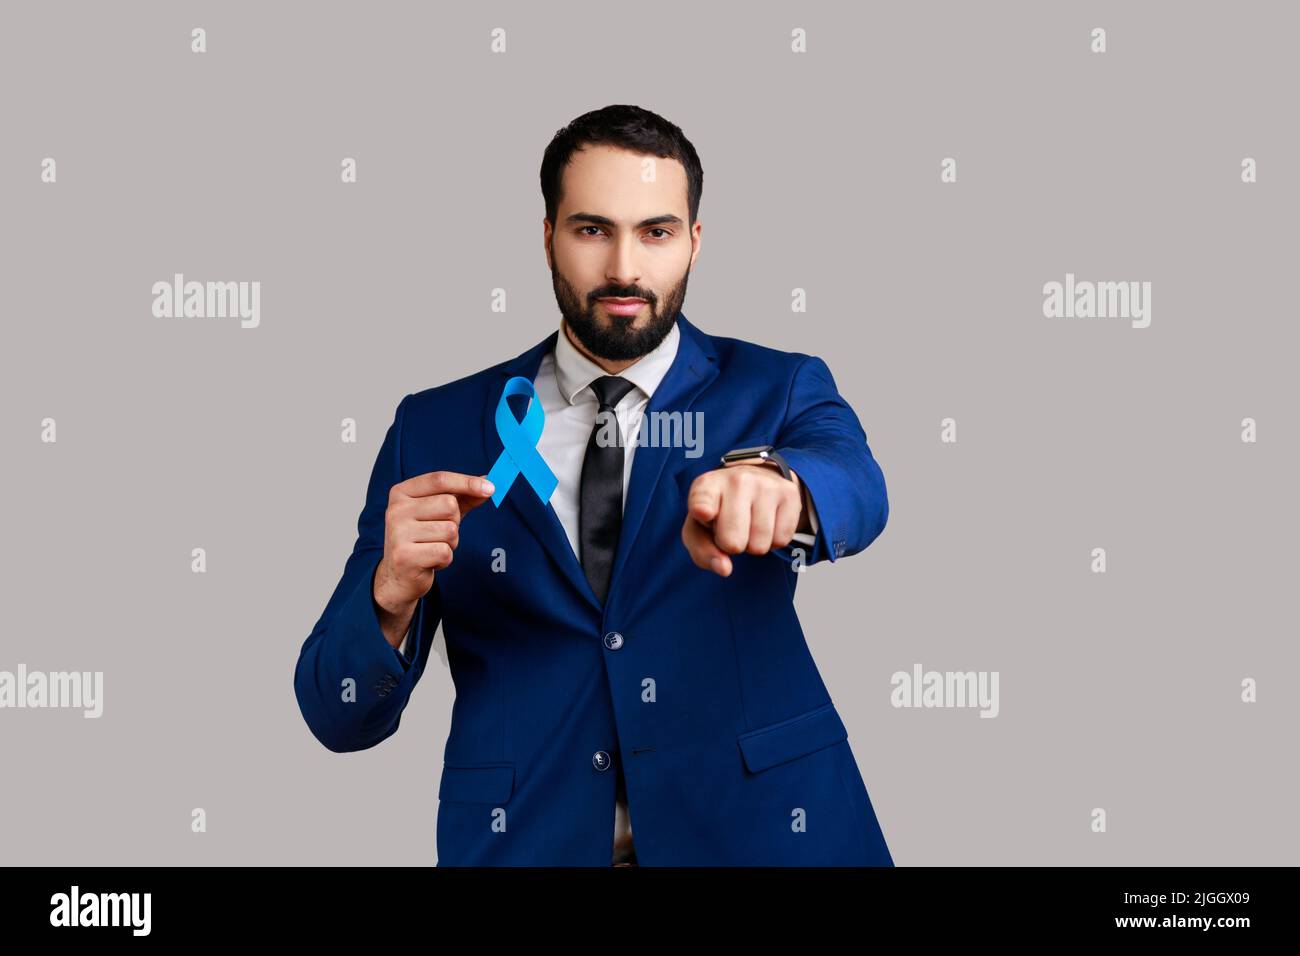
613,640
600,760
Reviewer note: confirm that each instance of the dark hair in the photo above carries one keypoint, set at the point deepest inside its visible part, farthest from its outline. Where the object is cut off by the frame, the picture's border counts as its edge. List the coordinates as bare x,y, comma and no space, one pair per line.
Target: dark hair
627,127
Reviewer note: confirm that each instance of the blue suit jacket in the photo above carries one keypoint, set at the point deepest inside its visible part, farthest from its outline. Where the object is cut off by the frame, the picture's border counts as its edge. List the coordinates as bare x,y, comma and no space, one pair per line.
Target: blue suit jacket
732,750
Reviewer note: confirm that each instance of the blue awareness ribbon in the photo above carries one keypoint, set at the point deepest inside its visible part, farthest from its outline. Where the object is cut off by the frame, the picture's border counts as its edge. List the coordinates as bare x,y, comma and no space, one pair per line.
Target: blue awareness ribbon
519,454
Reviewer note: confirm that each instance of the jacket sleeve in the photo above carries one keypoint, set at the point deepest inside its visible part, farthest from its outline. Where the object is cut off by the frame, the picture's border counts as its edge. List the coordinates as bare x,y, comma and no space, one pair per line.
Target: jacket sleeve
351,684
823,441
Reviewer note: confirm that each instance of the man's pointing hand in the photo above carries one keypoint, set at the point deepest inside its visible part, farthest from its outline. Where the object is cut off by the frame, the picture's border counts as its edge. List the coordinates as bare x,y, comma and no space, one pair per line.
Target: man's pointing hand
741,508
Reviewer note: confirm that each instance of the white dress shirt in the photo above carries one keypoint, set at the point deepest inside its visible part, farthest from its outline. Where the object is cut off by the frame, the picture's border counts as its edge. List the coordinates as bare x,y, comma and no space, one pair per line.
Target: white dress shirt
562,386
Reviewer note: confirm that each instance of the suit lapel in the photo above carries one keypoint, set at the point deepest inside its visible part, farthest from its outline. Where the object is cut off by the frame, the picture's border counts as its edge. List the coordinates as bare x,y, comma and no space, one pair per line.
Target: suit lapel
693,368
522,499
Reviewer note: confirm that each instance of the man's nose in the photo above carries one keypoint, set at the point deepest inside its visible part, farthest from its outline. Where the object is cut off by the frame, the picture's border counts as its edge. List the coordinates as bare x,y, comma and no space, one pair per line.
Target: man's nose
622,269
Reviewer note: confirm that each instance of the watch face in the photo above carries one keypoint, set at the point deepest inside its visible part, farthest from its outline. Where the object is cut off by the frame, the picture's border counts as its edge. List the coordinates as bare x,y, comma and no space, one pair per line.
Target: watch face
758,451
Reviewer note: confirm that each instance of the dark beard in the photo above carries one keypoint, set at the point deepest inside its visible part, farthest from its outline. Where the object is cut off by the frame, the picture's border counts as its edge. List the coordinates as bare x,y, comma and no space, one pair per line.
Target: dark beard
618,341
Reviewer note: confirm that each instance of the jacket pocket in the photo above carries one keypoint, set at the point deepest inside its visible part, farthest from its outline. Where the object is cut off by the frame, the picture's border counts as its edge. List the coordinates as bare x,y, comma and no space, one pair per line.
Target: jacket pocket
790,739
478,783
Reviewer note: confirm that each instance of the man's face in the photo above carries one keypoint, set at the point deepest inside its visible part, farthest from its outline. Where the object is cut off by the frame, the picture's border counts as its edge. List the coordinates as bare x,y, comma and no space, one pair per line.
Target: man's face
621,233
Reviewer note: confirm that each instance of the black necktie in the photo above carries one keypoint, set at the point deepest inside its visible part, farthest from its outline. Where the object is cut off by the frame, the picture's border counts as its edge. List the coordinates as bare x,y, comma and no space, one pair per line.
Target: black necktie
600,512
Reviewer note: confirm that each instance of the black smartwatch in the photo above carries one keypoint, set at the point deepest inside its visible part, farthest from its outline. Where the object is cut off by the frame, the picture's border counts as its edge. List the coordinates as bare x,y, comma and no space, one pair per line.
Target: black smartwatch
758,455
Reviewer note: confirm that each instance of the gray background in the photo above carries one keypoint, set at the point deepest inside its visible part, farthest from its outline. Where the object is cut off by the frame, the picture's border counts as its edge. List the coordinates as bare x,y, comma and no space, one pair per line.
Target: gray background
821,171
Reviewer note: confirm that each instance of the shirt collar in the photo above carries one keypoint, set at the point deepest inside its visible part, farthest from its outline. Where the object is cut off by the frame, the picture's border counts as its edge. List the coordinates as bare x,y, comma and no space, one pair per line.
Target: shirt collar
574,371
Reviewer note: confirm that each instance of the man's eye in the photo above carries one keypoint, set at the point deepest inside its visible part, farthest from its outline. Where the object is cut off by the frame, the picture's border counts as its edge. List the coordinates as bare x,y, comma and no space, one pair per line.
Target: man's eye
660,229
582,231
